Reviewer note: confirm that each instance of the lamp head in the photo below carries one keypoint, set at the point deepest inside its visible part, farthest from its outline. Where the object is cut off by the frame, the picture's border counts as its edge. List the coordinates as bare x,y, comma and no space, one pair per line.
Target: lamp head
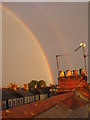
83,44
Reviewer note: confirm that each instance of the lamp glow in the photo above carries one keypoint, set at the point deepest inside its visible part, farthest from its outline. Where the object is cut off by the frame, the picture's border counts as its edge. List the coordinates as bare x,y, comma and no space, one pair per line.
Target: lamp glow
83,44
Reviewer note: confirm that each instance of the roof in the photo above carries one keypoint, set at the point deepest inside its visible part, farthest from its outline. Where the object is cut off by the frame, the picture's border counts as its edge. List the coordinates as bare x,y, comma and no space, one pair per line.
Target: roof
60,106
34,108
35,92
53,87
24,93
62,110
14,93
6,95
44,90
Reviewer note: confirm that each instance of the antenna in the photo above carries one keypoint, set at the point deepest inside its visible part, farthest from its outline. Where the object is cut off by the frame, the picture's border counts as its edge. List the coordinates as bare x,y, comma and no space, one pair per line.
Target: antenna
84,55
57,61
61,56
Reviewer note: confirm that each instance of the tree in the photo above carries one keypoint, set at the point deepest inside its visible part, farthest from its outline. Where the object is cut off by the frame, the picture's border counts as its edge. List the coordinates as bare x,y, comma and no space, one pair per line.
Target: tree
50,84
42,83
33,84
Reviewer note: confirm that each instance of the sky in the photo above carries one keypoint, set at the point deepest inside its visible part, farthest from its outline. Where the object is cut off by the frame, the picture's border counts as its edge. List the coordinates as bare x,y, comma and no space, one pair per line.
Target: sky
59,28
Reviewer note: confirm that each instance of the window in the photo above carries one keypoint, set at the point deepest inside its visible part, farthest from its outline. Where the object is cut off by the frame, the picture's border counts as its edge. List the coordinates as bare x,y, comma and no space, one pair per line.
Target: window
14,102
37,97
18,102
28,99
3,104
9,103
21,101
25,99
41,96
33,98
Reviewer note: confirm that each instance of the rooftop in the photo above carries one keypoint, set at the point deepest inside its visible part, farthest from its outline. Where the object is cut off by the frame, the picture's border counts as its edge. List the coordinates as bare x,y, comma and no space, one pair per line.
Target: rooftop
24,92
36,108
6,94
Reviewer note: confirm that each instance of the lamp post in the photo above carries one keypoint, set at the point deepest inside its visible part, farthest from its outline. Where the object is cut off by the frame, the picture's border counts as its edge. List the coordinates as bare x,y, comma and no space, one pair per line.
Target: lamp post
84,55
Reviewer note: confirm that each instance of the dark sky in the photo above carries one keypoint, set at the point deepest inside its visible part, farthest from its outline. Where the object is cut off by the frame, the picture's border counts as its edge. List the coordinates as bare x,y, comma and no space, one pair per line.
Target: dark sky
59,28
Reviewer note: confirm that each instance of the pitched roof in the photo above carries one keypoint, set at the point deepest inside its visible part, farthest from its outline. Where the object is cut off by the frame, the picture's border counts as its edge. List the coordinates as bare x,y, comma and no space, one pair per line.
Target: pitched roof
24,93
35,92
6,95
53,87
35,108
14,93
44,90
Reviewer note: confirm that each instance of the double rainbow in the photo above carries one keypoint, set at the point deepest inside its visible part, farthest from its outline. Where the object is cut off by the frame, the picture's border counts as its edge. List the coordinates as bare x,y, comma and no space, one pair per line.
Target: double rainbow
27,29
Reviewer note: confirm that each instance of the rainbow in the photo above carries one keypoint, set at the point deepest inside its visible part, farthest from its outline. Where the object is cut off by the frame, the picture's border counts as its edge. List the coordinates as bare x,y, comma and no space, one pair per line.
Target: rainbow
55,31
33,37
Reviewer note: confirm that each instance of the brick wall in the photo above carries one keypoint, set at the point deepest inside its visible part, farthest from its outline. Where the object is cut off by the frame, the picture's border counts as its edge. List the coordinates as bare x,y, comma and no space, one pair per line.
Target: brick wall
71,82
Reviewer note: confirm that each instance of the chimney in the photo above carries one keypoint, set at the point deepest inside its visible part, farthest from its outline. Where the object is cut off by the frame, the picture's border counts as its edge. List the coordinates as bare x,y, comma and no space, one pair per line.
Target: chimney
21,86
68,73
26,87
81,72
14,87
75,72
35,86
62,73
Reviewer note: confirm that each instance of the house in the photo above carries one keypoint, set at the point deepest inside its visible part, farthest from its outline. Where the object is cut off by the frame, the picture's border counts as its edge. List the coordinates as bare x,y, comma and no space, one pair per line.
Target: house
18,97
53,90
27,96
44,92
36,94
7,99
